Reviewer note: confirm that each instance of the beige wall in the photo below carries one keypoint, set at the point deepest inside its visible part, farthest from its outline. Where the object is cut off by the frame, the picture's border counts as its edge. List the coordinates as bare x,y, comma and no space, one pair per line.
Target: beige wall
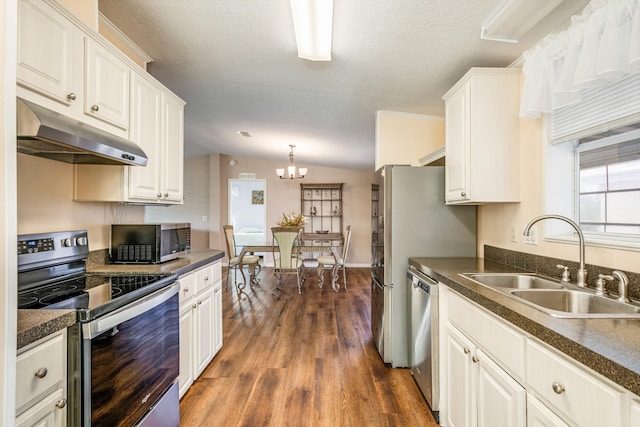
404,138
283,196
495,221
85,10
45,203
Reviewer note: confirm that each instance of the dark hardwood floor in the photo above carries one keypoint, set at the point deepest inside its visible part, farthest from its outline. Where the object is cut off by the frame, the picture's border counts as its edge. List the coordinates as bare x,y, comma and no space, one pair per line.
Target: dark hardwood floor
302,360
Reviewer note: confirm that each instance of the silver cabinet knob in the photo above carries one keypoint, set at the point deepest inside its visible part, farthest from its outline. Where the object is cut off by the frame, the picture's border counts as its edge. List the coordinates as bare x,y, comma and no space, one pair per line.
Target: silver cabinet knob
159,195
475,359
206,278
194,306
166,194
557,388
185,290
199,302
463,194
71,96
61,403
41,373
95,107
466,350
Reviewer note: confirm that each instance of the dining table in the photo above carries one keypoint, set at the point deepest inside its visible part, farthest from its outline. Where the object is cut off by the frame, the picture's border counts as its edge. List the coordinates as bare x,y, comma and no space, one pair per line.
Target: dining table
324,246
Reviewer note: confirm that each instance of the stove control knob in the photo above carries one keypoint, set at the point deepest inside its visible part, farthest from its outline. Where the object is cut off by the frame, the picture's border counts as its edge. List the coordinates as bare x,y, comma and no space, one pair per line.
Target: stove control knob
81,241
68,242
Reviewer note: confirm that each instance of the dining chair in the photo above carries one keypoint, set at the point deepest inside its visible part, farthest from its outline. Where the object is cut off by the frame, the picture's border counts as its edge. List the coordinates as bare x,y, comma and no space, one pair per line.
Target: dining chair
330,261
249,261
288,260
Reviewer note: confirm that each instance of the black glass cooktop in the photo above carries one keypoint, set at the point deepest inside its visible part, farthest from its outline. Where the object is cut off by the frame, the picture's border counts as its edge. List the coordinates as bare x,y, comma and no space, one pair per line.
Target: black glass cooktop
91,294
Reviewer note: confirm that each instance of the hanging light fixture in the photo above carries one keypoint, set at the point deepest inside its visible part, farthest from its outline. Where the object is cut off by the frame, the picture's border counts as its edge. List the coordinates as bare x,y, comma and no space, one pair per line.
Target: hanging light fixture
291,169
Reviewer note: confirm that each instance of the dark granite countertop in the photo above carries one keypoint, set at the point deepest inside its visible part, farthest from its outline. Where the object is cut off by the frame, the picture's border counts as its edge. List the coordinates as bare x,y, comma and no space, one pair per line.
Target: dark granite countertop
610,347
183,265
36,324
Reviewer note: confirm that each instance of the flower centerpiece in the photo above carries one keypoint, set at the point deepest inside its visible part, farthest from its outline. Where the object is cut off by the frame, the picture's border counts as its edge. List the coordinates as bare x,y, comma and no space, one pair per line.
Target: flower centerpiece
291,220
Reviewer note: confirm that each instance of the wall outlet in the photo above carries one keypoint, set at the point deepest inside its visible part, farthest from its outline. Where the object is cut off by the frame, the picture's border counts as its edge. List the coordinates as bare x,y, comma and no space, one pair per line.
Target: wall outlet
514,235
532,238
205,218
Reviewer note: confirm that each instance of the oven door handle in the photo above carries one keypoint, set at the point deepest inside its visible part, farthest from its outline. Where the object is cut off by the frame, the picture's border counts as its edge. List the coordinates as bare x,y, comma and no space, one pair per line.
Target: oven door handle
92,329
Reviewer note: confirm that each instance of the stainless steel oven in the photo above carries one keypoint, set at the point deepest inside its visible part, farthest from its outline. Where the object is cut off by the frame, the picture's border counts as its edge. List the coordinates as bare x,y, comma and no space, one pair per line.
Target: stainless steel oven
124,349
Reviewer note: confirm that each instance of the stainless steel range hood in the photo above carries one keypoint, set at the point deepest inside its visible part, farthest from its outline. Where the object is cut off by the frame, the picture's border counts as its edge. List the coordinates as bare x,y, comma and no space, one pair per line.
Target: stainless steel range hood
45,133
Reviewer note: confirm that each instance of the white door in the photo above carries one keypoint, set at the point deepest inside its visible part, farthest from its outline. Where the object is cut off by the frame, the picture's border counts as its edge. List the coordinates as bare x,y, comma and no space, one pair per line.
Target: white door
248,211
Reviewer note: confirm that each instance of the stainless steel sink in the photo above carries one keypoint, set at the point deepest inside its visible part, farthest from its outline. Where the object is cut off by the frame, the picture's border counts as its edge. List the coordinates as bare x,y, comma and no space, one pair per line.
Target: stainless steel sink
513,280
555,298
576,303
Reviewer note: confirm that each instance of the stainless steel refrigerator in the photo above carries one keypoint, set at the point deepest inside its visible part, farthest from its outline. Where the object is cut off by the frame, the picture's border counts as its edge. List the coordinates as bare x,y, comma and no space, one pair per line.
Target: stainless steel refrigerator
409,220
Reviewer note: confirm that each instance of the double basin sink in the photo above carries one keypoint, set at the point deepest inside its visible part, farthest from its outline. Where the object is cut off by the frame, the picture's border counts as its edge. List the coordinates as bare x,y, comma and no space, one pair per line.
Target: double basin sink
553,297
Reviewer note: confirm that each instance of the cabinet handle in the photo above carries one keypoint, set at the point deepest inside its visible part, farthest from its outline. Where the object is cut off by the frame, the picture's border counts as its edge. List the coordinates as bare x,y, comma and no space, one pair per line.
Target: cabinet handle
95,107
206,278
166,194
71,96
159,195
185,290
475,359
199,302
41,373
194,306
466,350
61,403
463,194
557,388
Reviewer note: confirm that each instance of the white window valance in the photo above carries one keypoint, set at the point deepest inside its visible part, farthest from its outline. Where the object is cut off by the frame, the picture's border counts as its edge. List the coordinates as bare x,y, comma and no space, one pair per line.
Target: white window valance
601,46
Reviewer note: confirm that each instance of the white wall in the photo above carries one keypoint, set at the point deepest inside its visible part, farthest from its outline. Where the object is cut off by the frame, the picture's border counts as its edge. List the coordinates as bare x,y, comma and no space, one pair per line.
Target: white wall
8,255
404,138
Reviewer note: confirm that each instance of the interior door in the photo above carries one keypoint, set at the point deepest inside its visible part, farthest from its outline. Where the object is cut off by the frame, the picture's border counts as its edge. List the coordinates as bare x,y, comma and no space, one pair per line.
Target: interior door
247,211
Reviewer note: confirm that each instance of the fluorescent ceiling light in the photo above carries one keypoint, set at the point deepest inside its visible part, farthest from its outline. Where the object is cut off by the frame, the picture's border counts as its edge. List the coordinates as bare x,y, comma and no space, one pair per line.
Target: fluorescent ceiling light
516,18
312,23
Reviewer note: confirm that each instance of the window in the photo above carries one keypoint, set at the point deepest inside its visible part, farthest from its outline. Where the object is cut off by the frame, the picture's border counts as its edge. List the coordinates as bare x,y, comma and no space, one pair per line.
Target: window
608,187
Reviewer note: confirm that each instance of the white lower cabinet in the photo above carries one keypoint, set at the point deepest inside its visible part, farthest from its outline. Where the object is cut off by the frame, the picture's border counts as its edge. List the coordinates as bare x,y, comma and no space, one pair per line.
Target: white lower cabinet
538,415
484,385
41,382
200,321
479,392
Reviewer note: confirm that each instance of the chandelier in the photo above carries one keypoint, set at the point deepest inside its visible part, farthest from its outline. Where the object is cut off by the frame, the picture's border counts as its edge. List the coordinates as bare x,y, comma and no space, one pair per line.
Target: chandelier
291,169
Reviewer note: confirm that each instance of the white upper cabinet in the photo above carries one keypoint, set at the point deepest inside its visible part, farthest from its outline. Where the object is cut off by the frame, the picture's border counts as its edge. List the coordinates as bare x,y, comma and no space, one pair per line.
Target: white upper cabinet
62,67
172,178
107,86
482,130
48,65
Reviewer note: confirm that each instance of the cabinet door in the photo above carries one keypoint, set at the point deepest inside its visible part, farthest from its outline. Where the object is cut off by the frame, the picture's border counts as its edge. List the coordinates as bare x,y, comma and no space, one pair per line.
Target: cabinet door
146,116
501,400
172,177
460,380
538,415
185,378
46,52
457,128
204,331
217,317
49,412
107,86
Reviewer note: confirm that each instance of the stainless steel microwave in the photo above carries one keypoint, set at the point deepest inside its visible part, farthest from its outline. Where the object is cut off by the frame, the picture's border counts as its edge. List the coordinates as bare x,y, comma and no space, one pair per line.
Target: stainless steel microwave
149,243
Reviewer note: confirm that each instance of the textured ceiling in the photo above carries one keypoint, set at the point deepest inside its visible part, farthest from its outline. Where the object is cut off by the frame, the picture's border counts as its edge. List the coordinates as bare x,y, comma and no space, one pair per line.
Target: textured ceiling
235,64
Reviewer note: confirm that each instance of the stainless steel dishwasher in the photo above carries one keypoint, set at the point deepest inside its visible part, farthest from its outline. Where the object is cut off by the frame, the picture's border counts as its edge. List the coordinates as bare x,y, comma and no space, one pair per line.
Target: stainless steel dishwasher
423,330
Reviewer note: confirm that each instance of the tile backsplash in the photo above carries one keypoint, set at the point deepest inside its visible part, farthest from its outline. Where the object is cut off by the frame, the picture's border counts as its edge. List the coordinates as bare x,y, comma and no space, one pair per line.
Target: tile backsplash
548,267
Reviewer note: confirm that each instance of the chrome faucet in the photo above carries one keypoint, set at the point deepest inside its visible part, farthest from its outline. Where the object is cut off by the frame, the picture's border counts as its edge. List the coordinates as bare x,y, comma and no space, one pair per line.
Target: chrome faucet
623,285
582,271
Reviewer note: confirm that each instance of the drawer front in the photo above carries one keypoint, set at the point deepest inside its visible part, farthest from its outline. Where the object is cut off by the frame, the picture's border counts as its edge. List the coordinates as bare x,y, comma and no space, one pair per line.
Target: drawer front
187,287
31,379
503,343
204,278
575,391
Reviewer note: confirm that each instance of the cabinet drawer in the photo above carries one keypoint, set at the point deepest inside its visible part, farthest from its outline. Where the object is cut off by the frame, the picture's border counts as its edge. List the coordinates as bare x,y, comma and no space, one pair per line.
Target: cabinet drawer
204,278
580,394
49,354
503,343
187,287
